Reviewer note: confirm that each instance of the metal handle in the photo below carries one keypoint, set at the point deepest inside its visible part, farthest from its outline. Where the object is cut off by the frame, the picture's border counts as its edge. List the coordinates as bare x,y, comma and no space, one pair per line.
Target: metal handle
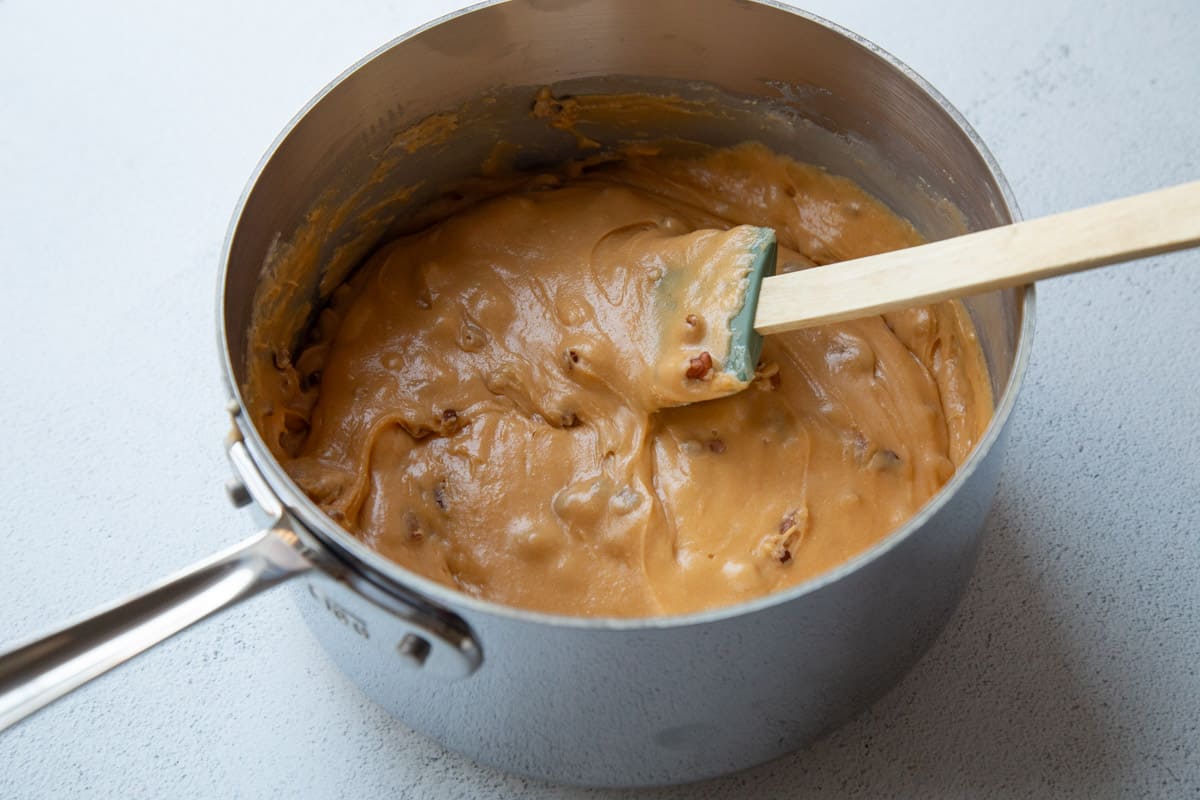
35,674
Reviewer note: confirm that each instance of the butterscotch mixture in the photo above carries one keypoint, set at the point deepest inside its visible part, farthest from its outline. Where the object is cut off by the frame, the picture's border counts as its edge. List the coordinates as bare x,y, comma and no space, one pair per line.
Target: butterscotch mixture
494,402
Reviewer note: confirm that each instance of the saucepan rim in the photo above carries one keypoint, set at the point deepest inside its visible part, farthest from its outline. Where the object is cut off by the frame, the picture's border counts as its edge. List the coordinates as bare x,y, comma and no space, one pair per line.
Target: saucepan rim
381,570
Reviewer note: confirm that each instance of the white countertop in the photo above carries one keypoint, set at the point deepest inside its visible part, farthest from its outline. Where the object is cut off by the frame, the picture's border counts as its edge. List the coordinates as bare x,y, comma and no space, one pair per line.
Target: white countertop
127,131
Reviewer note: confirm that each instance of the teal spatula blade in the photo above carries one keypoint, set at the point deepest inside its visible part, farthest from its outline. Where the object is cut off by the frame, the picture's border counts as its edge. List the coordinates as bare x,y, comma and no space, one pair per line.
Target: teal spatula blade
745,343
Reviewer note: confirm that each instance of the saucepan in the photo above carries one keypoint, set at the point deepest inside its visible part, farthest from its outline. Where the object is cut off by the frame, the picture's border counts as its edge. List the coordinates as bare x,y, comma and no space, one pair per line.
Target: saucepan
613,702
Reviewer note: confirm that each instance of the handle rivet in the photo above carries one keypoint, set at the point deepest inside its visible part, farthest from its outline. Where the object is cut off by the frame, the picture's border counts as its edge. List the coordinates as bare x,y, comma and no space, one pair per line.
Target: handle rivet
414,649
238,494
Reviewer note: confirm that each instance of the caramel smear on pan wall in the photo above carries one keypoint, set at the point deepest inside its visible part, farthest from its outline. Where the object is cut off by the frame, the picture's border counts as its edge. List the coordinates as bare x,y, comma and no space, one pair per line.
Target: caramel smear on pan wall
485,401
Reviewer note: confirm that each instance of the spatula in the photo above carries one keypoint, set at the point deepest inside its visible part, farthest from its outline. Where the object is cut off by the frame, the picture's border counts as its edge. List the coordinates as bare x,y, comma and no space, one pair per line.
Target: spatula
1011,255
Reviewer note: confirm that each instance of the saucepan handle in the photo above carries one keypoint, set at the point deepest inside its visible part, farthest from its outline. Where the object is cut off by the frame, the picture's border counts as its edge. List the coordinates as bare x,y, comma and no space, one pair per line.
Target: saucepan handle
36,673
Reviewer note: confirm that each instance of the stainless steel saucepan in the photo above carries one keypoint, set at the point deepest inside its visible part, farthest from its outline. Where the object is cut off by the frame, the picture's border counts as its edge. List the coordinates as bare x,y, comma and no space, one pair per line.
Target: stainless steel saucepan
587,701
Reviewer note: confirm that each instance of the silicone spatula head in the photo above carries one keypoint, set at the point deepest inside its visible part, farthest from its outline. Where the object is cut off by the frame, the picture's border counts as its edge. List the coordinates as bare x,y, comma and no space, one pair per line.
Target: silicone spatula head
704,310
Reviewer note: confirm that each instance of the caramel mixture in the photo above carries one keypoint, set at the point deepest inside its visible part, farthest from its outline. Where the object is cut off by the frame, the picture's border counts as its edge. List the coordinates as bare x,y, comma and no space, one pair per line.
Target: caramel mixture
495,401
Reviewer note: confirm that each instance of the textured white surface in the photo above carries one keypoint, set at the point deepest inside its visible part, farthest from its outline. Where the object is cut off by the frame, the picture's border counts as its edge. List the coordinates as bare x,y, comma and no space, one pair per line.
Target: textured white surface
127,131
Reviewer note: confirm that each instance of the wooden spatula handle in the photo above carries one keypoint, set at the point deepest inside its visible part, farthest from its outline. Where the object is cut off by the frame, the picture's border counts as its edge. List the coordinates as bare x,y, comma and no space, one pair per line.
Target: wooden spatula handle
1012,255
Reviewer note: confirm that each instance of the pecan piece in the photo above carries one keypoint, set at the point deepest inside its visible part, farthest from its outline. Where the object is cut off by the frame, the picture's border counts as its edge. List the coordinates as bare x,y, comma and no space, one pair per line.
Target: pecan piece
791,529
766,376
699,366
